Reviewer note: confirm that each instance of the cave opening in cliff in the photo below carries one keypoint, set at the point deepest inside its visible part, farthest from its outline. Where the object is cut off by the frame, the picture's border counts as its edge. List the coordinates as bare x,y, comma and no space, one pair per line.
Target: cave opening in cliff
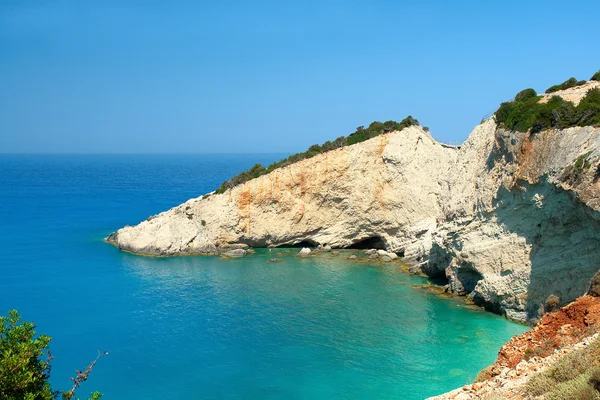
468,278
374,242
304,243
438,278
478,300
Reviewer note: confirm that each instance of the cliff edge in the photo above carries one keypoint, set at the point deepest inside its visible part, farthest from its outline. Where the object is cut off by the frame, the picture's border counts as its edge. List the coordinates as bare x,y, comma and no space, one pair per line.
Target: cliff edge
508,218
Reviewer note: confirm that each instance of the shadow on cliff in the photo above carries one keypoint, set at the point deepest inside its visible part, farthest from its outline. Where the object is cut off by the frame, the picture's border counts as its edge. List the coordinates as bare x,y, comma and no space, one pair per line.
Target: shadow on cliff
564,235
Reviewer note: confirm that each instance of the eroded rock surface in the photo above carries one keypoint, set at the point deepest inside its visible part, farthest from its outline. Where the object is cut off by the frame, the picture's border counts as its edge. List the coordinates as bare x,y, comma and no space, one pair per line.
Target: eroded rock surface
507,218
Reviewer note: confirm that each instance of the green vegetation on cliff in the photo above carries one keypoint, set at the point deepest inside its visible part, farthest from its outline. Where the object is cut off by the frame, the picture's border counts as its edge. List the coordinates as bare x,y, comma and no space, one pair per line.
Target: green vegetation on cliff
526,112
360,135
24,374
569,83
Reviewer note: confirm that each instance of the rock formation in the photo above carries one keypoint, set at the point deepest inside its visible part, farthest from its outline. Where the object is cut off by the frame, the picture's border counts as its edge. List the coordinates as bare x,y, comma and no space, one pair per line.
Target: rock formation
507,218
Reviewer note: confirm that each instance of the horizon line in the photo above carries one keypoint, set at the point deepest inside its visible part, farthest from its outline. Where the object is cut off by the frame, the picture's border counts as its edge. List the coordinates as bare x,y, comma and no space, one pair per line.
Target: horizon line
136,154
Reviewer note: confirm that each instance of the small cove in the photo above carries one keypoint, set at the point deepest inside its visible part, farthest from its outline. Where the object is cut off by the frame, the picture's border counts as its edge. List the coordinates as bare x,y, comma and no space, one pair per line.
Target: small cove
210,328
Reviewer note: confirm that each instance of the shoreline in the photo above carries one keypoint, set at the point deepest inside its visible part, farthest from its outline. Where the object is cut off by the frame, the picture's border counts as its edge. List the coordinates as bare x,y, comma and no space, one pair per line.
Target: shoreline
403,266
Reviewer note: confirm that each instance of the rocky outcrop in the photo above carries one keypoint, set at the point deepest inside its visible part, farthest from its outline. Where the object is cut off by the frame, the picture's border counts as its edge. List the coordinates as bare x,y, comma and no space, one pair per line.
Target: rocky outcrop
382,193
571,329
522,219
507,218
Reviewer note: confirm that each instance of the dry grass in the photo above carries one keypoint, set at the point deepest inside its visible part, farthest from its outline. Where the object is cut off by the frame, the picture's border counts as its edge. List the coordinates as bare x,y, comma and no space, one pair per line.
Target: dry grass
484,374
577,388
575,376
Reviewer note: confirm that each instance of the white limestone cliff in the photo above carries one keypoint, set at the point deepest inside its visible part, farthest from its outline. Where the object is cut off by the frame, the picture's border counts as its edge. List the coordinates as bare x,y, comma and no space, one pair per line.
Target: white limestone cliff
507,218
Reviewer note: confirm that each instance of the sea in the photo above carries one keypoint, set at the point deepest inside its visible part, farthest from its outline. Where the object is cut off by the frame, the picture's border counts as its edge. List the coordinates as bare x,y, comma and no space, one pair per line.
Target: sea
210,328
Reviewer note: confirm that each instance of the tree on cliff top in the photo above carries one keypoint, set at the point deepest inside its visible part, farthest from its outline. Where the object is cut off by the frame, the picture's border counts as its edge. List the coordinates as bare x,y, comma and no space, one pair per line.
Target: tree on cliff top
24,371
361,134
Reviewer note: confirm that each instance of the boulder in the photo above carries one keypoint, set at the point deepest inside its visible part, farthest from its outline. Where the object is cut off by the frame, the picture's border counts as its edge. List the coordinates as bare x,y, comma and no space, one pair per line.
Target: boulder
305,251
236,253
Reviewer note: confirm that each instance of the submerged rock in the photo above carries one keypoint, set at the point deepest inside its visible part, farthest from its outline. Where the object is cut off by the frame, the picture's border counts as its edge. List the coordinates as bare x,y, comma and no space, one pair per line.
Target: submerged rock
235,253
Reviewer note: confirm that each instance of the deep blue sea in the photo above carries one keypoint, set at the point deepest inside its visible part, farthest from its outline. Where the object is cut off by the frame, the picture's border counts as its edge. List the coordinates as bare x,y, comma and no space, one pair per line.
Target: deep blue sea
205,327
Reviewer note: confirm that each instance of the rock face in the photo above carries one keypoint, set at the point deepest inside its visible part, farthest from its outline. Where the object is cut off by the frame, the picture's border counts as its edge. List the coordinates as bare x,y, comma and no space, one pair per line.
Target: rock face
507,218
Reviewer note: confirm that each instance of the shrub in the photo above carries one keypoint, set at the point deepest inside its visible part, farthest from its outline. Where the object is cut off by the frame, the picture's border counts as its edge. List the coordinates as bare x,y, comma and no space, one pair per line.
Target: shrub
569,367
596,77
594,380
595,285
589,108
552,302
527,113
360,135
377,128
24,373
484,374
577,388
528,353
525,95
569,83
573,375
539,384
203,222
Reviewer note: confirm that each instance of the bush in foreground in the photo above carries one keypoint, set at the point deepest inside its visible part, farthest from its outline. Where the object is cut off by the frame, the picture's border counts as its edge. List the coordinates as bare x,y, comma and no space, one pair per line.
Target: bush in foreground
25,363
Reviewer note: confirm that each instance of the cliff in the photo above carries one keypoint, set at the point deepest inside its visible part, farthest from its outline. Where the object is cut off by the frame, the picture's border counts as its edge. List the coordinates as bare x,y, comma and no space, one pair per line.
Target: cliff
508,218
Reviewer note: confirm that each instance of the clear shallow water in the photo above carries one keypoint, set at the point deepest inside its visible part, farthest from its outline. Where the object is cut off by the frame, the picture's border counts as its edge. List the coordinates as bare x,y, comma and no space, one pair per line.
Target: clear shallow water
207,328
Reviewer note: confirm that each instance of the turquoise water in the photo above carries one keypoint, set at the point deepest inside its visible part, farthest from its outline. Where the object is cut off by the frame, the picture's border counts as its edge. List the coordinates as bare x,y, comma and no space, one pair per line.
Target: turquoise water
208,328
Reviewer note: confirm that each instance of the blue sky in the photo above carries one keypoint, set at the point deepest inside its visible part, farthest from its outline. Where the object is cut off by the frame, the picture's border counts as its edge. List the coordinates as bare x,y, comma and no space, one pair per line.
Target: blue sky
271,76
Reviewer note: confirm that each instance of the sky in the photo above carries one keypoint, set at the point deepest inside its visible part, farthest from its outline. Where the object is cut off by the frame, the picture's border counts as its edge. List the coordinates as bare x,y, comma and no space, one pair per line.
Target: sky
271,76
